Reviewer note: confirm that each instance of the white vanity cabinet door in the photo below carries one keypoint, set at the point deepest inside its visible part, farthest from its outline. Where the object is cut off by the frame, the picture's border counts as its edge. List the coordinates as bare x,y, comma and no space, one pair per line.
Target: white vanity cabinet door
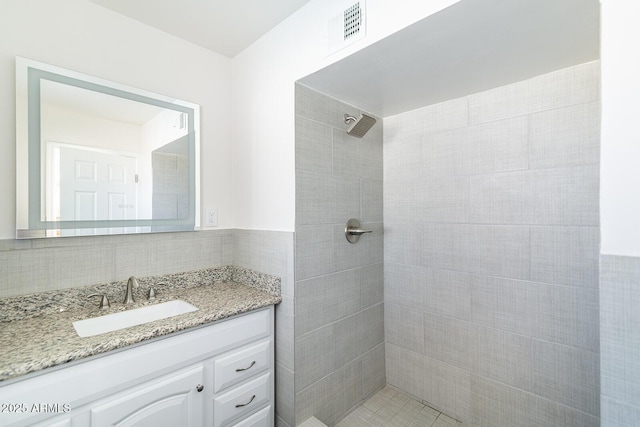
58,422
172,400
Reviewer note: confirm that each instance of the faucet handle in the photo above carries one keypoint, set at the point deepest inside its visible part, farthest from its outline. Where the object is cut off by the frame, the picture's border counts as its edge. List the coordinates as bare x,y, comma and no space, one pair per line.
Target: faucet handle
152,292
104,301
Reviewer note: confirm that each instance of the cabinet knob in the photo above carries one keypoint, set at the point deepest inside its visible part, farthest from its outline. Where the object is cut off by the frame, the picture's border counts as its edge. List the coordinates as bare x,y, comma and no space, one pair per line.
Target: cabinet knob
199,387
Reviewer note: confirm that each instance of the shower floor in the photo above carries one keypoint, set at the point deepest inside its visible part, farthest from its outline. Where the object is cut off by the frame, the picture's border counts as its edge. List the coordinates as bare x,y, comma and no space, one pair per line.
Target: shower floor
391,407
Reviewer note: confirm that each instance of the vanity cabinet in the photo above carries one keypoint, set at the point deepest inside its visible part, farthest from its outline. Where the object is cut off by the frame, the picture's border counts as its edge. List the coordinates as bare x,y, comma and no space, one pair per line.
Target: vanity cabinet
220,375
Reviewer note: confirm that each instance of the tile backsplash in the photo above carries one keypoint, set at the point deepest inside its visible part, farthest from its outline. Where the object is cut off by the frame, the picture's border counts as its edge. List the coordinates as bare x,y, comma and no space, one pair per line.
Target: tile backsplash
38,265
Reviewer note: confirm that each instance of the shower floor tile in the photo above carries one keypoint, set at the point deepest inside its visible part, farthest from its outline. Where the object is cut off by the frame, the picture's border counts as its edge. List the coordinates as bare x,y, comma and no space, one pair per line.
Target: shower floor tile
391,407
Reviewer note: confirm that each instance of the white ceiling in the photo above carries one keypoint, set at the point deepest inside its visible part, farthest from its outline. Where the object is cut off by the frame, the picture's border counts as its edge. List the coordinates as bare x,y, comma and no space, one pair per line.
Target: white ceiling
223,26
469,47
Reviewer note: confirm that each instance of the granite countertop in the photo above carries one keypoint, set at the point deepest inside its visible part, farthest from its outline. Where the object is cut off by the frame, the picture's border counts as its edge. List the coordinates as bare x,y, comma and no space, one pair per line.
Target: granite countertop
39,334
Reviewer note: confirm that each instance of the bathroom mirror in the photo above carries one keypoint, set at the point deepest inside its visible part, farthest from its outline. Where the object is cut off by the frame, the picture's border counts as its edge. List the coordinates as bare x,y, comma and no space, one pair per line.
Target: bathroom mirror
95,157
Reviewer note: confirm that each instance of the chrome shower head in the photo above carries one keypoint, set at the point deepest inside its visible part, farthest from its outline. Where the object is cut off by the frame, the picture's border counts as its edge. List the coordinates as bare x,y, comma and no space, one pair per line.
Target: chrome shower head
359,127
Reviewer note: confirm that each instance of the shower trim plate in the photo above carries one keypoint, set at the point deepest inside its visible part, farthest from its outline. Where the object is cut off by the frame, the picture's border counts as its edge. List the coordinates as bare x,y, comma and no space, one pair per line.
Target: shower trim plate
352,230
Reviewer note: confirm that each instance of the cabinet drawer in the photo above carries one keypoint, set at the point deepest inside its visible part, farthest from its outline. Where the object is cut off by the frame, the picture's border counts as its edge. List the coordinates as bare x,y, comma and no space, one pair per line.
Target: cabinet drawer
239,365
261,418
241,400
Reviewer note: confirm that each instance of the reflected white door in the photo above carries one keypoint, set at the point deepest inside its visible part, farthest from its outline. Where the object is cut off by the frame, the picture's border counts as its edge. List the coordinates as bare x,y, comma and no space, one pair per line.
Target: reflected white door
96,185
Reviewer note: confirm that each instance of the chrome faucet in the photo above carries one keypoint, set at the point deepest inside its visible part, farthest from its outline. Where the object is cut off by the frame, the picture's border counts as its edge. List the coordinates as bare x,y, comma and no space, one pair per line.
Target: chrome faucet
131,283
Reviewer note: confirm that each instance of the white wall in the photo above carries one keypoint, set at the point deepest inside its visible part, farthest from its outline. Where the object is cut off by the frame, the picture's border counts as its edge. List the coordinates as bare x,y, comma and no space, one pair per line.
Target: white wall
255,190
620,152
84,37
263,101
620,214
75,127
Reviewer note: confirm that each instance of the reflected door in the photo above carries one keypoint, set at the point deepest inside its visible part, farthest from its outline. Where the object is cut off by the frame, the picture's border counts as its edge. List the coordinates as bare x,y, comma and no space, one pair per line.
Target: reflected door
96,185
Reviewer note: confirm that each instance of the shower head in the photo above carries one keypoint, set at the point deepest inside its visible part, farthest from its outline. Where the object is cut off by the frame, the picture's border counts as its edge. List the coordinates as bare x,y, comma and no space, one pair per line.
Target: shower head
359,127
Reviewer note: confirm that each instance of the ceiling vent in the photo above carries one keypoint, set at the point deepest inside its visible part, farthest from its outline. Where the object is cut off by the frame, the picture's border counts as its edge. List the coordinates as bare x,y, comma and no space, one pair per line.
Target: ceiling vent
346,27
352,21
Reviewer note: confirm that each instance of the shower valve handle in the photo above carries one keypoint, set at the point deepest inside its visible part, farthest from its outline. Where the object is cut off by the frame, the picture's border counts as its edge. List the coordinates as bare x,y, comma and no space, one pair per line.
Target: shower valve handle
352,230
358,232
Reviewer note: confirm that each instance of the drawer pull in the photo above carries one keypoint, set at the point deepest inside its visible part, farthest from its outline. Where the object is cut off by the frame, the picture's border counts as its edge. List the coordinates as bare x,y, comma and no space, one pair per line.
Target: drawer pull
240,405
247,368
199,387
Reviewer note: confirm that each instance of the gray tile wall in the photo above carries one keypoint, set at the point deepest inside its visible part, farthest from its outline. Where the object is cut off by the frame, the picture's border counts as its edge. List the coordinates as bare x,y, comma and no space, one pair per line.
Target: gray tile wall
491,252
620,340
272,252
37,265
339,330
170,185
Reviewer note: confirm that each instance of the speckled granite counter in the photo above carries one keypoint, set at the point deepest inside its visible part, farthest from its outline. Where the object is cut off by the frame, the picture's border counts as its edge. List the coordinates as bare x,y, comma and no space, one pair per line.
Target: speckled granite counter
36,331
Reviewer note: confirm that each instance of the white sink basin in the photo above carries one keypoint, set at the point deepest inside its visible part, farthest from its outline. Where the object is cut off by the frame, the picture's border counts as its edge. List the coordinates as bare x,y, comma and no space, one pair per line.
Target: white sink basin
138,316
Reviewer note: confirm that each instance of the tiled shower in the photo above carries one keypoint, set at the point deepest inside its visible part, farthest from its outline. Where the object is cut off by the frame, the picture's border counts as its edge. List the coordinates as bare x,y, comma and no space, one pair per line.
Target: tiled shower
339,317
490,266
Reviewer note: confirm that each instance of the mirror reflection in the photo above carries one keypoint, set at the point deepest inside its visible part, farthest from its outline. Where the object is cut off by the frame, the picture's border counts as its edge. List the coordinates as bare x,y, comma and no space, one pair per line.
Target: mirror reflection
95,157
